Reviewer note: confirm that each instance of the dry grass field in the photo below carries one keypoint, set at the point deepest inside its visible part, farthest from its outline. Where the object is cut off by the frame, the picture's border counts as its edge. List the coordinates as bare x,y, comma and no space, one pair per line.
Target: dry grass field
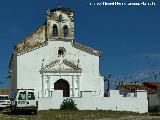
79,115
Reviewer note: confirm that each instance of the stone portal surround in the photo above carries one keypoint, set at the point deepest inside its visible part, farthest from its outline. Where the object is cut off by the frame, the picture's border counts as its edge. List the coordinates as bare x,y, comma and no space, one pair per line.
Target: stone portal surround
48,85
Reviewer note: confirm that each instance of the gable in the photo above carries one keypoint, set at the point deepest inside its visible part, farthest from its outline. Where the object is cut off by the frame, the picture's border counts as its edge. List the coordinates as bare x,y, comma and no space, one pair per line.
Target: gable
42,36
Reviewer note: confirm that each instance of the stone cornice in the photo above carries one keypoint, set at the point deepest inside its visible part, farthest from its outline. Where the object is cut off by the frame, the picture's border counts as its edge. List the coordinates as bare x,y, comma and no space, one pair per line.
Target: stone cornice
73,68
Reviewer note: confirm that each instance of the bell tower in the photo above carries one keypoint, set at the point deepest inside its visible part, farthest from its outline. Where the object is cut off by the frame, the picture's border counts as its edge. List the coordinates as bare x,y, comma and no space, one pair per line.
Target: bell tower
60,24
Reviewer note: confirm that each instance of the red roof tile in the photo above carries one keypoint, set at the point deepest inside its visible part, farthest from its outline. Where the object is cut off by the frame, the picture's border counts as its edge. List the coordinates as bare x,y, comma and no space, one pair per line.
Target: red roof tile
153,85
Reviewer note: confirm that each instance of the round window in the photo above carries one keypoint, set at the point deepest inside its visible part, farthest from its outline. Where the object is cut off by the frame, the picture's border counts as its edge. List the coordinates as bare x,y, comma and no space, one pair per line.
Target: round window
61,51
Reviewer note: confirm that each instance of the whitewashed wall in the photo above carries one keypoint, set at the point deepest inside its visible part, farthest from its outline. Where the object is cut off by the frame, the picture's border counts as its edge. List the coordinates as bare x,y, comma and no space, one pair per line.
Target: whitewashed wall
115,102
52,102
29,66
12,77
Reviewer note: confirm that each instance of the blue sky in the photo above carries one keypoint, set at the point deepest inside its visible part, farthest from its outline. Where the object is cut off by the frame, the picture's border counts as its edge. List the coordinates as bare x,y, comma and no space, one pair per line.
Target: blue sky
129,36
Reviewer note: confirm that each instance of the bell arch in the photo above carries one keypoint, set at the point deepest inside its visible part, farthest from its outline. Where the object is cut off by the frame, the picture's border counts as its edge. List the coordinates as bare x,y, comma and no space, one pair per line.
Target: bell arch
55,30
65,31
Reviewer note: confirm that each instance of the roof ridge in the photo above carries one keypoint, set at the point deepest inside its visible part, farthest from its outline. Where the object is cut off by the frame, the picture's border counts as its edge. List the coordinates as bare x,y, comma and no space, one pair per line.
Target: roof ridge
31,48
86,48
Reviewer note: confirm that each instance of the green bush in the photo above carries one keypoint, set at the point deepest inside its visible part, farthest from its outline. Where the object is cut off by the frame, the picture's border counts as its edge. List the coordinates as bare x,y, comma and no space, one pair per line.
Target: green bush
68,104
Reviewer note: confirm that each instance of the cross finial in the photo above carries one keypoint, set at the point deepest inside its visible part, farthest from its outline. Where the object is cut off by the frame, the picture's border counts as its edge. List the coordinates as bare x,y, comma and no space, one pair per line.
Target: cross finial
48,11
43,60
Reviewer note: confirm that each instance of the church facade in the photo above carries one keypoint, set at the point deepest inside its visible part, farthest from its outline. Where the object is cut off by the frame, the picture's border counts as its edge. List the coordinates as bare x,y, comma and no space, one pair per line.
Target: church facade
52,63
50,59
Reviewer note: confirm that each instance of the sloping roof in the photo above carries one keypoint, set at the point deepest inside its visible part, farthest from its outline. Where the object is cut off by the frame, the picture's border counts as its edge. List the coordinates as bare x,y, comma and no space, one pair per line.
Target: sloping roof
4,91
133,86
29,46
152,85
30,43
87,49
139,87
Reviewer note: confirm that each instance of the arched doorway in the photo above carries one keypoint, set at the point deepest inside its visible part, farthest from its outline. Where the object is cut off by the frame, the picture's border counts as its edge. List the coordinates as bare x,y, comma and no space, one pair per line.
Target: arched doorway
62,85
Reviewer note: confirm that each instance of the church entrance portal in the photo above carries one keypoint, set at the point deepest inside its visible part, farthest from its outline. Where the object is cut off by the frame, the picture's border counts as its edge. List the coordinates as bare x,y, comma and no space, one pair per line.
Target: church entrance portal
62,85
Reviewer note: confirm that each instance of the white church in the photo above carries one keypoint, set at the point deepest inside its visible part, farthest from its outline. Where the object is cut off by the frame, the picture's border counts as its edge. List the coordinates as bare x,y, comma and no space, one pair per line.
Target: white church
56,66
